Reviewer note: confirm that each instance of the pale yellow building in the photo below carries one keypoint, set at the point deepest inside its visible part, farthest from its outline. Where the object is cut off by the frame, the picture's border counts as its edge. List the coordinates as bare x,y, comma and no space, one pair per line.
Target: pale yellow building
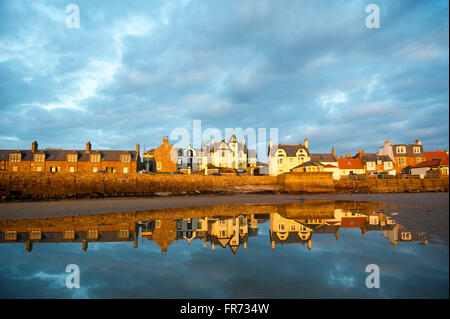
283,158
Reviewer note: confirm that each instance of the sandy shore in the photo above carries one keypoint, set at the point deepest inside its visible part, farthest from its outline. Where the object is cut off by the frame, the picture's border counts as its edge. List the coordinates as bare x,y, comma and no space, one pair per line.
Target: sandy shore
419,211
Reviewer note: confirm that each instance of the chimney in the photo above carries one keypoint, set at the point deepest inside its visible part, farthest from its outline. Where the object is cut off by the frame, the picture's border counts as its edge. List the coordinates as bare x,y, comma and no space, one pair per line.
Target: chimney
243,141
333,152
138,149
418,142
347,155
204,144
305,143
387,142
360,153
88,147
270,143
34,147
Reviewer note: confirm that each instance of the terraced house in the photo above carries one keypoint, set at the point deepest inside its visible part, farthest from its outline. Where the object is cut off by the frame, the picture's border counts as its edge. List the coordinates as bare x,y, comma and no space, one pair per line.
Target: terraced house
283,158
404,155
70,161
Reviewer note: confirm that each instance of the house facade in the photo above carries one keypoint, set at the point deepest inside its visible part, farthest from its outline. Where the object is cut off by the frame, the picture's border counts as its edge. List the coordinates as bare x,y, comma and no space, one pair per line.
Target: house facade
231,154
374,163
162,159
70,161
283,158
191,158
404,155
350,166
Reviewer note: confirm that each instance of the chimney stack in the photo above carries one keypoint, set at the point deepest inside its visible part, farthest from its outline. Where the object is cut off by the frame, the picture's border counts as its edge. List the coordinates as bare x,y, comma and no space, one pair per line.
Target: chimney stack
243,141
418,142
138,149
34,147
305,143
88,147
333,152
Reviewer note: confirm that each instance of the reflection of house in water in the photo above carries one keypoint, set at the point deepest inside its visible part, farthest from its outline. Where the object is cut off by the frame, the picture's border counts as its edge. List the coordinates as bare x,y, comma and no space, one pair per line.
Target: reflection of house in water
42,233
289,224
399,233
161,231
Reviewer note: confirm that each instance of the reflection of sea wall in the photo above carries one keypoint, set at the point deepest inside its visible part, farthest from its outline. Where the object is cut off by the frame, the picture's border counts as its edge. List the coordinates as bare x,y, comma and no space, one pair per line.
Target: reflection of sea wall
42,185
224,225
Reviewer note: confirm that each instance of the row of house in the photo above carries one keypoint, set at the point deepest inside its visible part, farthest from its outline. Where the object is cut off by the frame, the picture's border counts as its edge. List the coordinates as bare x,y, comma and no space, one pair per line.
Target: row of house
224,154
390,160
232,154
220,231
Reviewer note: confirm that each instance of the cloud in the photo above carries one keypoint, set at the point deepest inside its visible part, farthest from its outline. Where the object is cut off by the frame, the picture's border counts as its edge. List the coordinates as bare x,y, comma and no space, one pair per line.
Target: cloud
137,72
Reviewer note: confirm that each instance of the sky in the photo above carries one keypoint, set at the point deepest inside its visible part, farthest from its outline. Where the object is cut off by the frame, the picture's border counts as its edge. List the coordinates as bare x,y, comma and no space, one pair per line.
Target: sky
136,71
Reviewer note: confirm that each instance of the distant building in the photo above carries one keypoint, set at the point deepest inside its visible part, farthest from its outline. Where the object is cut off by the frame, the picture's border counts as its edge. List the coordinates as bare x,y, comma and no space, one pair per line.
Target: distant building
231,154
329,161
430,168
161,159
194,159
350,166
403,155
70,161
443,156
374,163
283,158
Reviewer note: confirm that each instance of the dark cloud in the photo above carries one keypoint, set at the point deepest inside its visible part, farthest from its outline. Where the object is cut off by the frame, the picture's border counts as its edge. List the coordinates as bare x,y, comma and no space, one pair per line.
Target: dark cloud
311,69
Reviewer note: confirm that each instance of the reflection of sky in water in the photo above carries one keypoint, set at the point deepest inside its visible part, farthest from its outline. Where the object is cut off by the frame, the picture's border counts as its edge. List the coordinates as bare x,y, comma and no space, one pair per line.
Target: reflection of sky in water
331,269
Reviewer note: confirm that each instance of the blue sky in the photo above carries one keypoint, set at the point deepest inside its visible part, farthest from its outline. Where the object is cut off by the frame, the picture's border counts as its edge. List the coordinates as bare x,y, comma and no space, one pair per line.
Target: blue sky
133,72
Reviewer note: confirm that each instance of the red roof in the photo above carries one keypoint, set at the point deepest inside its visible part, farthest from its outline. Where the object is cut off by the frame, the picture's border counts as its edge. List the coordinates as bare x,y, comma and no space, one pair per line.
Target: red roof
432,163
352,222
350,163
435,155
330,166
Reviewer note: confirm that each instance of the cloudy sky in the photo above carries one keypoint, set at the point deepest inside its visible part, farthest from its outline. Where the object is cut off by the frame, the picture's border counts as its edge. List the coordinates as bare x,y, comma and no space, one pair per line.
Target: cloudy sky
135,72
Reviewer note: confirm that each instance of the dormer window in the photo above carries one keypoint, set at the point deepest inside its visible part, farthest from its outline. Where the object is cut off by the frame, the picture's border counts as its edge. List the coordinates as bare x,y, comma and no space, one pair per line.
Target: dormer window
15,157
40,158
95,158
125,158
416,150
72,158
401,149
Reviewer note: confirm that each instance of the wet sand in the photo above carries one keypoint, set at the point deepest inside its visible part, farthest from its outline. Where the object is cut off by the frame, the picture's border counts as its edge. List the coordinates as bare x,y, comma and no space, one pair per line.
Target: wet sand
422,211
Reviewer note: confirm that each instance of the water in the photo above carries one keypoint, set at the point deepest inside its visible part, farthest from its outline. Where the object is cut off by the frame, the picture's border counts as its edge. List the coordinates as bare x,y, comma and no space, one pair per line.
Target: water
314,249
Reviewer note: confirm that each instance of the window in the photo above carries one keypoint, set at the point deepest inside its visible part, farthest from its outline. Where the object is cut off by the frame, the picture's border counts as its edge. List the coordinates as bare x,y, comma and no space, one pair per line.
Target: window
71,169
280,161
158,223
15,157
379,162
281,227
72,158
39,169
291,160
406,236
124,233
125,170
69,234
418,159
95,158
180,152
387,165
293,227
180,162
35,234
401,149
10,235
125,158
14,168
92,234
39,158
94,169
158,165
401,161
222,233
199,161
370,166
416,149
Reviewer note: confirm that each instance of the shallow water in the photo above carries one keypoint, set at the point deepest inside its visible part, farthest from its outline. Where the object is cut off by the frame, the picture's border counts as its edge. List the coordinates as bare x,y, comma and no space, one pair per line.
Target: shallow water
313,249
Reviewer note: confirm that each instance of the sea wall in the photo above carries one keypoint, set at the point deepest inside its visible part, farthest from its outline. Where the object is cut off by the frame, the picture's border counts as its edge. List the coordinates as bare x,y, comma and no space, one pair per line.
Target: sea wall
43,185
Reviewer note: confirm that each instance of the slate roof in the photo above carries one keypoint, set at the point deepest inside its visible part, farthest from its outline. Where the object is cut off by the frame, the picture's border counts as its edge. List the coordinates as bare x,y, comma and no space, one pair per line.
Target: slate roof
372,157
292,238
290,150
60,155
320,157
409,151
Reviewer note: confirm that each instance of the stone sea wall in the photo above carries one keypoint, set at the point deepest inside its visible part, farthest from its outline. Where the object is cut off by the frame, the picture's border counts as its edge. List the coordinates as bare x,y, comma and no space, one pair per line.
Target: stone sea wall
43,185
